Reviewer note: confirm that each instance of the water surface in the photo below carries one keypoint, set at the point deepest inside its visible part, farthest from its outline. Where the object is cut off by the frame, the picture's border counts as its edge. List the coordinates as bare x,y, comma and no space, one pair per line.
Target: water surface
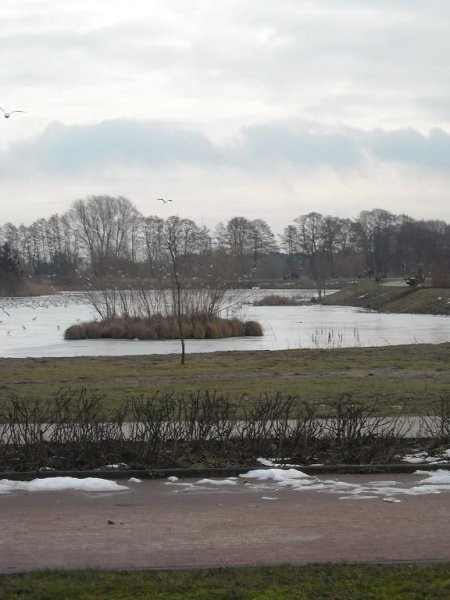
35,327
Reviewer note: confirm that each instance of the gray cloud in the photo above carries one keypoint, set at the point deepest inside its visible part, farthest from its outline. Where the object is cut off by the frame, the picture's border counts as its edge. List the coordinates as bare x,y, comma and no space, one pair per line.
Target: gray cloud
410,146
271,143
123,143
290,58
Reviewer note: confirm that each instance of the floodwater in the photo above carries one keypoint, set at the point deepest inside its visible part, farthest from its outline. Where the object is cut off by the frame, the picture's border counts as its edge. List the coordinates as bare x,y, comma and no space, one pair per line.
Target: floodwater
35,327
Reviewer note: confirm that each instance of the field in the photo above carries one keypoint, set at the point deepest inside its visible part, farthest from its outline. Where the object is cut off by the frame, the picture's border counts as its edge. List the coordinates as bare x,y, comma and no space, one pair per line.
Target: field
415,374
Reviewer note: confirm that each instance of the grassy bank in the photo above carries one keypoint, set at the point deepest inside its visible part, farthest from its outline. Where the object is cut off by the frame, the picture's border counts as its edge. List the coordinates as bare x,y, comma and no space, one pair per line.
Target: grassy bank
308,582
415,374
396,299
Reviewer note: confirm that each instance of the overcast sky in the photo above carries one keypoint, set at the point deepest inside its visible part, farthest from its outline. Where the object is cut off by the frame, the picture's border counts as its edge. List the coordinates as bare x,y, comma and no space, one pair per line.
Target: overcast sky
259,108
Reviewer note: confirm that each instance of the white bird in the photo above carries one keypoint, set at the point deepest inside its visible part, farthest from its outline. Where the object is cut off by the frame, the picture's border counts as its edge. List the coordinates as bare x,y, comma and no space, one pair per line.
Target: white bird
8,114
164,200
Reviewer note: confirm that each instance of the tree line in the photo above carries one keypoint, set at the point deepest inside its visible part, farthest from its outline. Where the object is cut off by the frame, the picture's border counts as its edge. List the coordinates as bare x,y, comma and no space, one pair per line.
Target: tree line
107,236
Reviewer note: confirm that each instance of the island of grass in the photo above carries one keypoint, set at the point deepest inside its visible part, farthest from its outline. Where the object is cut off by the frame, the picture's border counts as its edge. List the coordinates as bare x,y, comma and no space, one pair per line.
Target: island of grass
163,327
279,300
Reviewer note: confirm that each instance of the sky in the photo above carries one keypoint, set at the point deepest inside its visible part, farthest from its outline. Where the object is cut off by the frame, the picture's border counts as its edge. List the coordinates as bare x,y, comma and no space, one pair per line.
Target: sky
256,108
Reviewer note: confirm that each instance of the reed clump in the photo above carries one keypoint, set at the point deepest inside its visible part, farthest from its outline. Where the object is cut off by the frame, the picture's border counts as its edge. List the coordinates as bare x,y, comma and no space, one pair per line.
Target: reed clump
278,300
163,327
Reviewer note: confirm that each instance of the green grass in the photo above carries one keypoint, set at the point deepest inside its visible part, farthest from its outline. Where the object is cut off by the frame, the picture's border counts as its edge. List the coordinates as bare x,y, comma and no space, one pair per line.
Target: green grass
308,582
396,299
416,374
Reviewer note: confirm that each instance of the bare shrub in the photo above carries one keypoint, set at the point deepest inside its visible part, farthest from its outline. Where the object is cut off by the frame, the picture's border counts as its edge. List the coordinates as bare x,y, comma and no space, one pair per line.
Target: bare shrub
145,303
148,426
83,431
436,425
24,427
258,423
76,429
356,431
303,432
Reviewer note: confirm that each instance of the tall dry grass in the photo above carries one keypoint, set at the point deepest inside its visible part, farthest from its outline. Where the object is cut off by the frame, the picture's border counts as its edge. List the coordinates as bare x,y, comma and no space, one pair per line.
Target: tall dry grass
160,327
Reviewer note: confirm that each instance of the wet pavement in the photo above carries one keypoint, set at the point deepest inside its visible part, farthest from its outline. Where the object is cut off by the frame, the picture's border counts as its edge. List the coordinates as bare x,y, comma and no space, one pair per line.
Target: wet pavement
156,524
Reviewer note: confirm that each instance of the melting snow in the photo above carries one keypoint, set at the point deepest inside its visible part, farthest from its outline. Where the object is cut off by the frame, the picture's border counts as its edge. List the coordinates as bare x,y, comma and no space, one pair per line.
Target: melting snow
432,483
424,457
60,484
275,474
228,481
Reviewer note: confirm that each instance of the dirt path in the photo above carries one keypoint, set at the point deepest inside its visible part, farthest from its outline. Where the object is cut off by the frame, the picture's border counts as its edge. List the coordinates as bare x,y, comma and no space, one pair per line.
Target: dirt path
156,524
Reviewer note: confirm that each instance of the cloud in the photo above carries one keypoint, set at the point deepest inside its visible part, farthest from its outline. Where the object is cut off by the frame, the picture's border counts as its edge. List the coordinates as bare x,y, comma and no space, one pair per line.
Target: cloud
269,143
411,147
354,62
123,143
62,149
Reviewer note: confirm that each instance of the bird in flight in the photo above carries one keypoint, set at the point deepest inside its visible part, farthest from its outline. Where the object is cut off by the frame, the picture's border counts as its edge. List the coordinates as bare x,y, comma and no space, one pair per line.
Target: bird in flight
164,200
8,114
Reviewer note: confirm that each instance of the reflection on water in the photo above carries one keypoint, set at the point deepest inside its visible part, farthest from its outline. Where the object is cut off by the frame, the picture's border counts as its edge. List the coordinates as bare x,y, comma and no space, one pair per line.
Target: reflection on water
35,327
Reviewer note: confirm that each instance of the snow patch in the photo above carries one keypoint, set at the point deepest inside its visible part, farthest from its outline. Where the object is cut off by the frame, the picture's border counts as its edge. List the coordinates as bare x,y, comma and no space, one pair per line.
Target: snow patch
424,457
228,481
433,483
61,484
274,474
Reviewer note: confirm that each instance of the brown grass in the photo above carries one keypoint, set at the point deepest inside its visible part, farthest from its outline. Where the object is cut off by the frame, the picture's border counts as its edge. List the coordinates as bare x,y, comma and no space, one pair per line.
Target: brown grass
278,300
160,327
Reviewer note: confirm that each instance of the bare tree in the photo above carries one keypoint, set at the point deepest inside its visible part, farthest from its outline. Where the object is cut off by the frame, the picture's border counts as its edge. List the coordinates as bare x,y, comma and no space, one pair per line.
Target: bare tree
104,225
11,276
153,241
261,241
247,240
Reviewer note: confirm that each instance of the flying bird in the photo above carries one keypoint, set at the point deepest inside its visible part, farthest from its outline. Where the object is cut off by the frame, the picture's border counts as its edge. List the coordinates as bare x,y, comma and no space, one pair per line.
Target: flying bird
164,200
8,114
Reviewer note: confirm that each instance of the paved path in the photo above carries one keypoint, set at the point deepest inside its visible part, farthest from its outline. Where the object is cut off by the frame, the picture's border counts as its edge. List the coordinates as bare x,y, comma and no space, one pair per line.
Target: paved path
155,525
